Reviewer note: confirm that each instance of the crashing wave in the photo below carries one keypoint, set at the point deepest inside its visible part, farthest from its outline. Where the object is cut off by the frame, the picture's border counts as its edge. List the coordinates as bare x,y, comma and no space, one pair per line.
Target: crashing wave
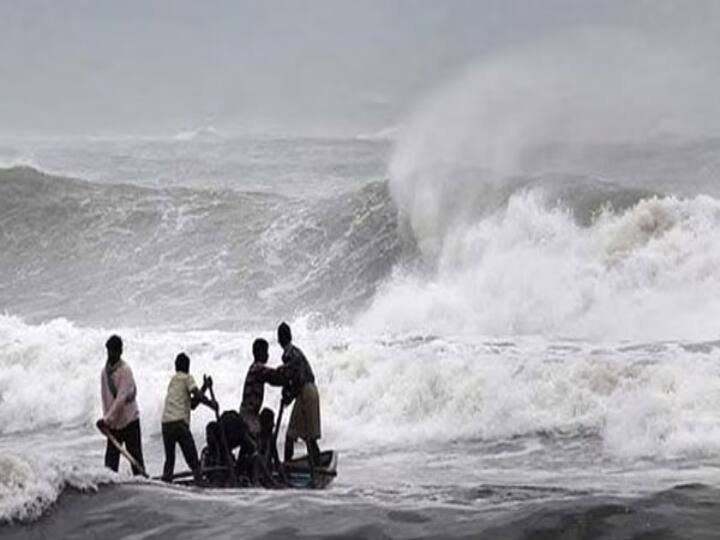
245,256
29,486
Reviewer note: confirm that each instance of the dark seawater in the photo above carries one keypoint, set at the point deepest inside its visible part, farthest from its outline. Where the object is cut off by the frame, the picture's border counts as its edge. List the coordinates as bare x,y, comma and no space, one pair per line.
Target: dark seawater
684,512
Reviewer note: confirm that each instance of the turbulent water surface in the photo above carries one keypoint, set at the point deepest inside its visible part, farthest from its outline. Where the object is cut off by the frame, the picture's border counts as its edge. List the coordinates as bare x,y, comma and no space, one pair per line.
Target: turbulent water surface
500,354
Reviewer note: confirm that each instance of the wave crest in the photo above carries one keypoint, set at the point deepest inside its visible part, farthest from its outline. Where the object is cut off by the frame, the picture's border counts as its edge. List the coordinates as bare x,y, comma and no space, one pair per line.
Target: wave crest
645,273
122,254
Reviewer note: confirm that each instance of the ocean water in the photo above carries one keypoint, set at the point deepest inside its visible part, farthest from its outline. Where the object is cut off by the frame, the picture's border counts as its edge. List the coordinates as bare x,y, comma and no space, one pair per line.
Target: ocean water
501,353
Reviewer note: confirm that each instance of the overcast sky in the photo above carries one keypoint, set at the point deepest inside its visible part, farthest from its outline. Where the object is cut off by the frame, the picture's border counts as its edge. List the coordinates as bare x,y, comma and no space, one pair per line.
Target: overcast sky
319,66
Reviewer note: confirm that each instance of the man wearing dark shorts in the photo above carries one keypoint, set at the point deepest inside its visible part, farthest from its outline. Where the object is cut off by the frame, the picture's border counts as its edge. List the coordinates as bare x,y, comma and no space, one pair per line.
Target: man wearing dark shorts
300,387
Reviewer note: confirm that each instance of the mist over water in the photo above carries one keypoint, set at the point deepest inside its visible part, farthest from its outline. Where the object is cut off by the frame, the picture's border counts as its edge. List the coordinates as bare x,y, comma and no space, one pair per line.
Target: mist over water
567,191
514,300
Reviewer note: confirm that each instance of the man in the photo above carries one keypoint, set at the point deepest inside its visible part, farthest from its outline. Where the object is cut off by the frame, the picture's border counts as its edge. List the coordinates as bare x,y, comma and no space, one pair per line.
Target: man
228,433
243,429
121,416
182,397
300,386
257,377
267,446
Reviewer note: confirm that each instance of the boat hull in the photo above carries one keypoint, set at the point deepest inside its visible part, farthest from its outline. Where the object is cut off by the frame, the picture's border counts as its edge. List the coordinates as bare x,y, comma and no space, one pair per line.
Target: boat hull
297,474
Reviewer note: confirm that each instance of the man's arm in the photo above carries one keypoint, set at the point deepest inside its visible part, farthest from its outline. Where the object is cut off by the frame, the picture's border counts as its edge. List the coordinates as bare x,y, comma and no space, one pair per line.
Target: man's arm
125,394
288,375
104,397
197,396
104,391
273,377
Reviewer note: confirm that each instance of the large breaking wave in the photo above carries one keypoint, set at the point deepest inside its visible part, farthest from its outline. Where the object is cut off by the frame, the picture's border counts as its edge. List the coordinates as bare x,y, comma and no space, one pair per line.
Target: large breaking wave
123,254
649,272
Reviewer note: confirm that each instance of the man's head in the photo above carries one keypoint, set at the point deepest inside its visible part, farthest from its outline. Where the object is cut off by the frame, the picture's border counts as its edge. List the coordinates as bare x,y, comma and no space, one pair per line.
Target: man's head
284,335
182,363
260,350
114,346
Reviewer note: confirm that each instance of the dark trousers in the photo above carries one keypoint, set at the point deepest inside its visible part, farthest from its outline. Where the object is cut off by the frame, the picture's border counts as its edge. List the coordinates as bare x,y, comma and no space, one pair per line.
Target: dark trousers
130,437
178,432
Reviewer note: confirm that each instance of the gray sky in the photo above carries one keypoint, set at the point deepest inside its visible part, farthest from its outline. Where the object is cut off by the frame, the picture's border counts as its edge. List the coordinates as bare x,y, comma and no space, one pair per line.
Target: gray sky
109,66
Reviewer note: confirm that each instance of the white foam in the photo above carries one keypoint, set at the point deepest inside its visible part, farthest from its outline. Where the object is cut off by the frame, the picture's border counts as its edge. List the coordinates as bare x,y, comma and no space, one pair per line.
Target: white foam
402,391
10,162
30,485
202,133
642,275
388,133
398,390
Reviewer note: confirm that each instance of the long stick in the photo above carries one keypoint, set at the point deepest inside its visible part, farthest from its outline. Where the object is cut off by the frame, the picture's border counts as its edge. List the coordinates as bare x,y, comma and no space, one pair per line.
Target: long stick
277,427
190,474
223,441
274,451
134,462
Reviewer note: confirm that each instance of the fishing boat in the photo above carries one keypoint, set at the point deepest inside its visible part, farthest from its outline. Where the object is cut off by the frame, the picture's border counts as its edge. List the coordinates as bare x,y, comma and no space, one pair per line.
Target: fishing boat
296,474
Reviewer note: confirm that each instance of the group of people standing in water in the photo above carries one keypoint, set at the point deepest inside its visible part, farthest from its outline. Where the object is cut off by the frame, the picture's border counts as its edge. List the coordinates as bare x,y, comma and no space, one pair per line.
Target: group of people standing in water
250,429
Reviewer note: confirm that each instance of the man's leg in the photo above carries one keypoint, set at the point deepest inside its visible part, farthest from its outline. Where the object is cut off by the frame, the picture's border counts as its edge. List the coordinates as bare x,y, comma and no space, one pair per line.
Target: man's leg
278,465
112,455
236,432
213,444
313,452
289,449
133,442
260,473
311,416
187,445
169,445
